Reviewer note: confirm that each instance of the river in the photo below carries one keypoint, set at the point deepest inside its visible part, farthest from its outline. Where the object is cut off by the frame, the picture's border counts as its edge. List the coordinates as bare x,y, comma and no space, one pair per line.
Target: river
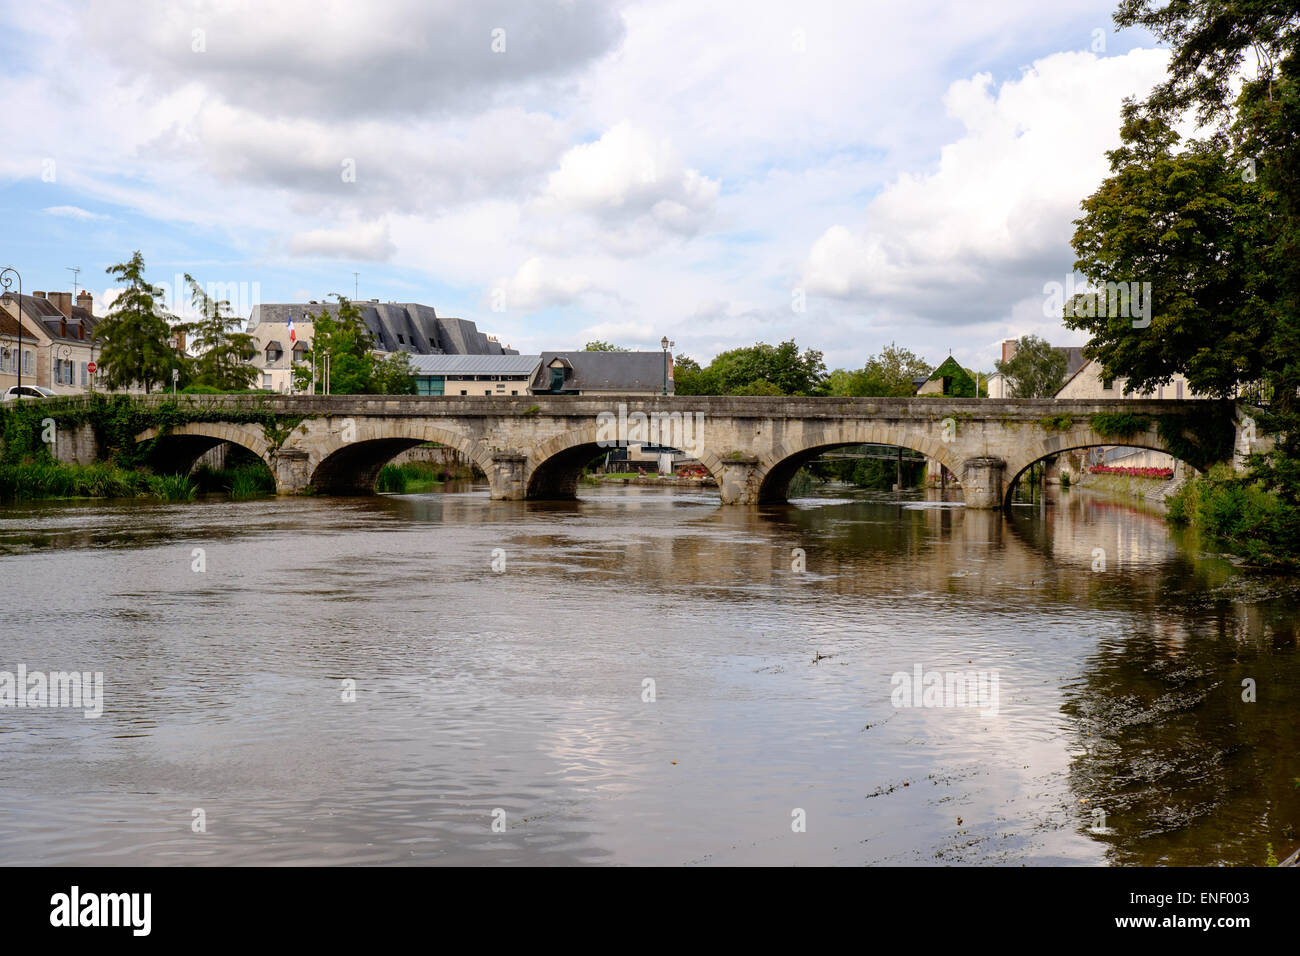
641,677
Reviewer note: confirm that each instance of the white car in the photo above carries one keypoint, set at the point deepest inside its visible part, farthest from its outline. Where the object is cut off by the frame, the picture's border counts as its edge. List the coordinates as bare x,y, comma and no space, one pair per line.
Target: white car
25,391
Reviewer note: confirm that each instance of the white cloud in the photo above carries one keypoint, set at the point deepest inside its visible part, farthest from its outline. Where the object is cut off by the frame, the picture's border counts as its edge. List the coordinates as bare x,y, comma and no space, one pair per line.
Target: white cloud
956,241
368,242
72,212
538,285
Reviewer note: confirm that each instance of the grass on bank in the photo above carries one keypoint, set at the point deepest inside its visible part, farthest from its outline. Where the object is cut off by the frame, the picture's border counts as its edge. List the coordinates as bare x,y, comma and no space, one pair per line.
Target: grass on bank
51,479
410,478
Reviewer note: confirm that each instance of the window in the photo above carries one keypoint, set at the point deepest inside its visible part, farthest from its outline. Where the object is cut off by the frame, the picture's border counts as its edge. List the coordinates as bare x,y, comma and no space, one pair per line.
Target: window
557,379
432,343
83,373
401,339
1108,383
514,391
273,355
266,379
463,392
27,362
1180,389
487,391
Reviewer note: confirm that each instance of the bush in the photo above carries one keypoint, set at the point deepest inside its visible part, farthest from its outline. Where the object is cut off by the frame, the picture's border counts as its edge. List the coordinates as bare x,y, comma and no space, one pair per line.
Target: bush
1239,514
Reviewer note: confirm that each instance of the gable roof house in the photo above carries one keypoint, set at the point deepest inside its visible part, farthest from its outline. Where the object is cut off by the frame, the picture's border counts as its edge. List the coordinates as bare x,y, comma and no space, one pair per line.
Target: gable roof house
58,340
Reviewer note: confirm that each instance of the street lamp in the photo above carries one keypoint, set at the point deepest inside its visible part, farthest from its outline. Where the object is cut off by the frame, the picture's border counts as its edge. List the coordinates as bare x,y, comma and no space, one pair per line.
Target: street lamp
7,276
666,345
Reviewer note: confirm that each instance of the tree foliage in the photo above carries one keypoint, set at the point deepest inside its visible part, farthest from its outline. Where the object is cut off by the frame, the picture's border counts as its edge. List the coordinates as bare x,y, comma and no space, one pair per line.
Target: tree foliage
891,373
1035,371
222,362
759,369
136,345
599,346
353,366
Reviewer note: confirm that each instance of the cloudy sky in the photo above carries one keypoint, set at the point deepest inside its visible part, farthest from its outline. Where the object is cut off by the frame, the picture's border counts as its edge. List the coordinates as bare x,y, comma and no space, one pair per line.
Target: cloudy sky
844,173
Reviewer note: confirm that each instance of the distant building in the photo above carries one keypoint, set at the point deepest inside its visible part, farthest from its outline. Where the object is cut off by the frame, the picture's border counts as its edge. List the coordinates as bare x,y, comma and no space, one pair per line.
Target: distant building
473,374
948,379
1087,382
58,341
999,387
394,327
594,373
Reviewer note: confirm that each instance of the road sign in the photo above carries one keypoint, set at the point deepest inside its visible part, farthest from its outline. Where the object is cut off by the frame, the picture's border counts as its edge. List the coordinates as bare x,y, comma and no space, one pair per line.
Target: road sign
91,368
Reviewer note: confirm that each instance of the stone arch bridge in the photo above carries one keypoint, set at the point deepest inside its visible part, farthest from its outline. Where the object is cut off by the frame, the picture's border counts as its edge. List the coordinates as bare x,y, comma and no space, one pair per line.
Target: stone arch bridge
535,447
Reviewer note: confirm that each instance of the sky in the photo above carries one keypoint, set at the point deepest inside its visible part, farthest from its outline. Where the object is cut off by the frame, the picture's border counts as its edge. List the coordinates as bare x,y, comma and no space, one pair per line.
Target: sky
846,174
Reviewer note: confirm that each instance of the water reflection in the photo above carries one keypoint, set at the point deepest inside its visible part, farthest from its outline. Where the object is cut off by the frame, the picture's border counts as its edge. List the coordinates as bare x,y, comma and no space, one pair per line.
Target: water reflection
524,690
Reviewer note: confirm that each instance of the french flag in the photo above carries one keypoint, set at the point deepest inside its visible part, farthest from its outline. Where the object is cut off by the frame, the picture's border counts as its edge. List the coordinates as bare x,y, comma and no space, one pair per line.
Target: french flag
293,336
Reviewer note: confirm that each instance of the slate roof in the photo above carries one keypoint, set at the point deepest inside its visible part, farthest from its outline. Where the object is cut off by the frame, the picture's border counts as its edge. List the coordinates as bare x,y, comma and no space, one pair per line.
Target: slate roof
406,327
474,364
606,372
46,314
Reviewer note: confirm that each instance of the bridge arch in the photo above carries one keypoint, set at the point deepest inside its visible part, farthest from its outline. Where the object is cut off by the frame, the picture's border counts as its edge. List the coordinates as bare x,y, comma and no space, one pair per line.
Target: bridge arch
554,466
179,447
1073,439
349,460
775,469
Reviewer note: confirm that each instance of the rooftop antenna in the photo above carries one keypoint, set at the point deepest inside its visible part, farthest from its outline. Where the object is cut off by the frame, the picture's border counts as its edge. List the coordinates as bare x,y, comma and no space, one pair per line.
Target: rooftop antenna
75,272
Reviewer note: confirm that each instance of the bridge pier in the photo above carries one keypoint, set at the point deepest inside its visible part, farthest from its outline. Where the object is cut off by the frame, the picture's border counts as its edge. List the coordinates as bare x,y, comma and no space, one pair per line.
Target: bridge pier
506,479
738,480
982,481
292,470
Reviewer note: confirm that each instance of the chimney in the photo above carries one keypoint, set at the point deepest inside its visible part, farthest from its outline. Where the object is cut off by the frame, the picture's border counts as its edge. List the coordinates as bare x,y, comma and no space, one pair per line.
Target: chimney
39,295
180,341
86,301
63,302
1008,349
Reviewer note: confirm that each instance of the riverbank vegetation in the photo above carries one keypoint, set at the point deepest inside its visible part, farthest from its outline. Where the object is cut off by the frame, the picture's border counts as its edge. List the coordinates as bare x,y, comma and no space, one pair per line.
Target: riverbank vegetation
1239,513
411,478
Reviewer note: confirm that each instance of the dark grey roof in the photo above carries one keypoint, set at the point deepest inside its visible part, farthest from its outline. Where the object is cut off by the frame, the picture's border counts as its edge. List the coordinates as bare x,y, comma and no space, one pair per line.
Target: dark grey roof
47,314
474,364
1074,359
606,371
405,327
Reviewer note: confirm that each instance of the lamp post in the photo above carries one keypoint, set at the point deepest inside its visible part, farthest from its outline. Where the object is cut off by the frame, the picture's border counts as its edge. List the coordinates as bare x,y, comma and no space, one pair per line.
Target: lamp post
666,345
7,277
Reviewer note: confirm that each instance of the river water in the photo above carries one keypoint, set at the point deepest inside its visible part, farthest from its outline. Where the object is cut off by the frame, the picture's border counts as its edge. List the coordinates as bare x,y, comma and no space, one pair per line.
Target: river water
641,677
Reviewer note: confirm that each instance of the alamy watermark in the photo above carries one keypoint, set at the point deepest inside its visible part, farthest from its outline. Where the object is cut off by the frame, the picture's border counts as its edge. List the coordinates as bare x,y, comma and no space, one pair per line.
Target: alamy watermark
681,430
1128,300
80,689
922,688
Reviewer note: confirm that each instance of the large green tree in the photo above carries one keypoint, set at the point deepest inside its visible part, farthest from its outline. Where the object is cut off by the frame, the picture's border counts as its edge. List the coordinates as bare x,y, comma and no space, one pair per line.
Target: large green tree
760,369
354,368
1035,371
891,373
223,349
136,343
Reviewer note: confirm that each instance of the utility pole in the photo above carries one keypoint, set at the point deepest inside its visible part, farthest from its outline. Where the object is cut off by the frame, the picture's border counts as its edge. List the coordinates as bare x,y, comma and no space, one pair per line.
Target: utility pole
356,285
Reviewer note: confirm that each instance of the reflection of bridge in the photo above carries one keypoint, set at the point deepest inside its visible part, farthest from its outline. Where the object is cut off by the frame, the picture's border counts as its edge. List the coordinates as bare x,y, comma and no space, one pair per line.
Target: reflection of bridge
537,446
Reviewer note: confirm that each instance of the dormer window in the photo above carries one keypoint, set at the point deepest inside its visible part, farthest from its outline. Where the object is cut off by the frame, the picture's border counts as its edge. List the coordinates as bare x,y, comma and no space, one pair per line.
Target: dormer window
274,352
81,330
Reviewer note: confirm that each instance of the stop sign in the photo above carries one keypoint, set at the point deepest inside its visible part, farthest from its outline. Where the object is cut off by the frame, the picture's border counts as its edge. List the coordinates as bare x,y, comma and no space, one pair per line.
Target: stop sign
91,368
